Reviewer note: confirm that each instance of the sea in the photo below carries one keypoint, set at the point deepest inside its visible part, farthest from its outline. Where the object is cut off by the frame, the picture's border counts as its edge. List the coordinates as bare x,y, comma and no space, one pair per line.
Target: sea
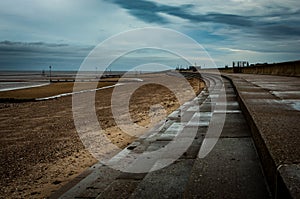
13,80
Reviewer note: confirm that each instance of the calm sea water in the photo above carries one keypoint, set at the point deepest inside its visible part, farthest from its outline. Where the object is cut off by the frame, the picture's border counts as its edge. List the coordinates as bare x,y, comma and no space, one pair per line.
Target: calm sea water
12,80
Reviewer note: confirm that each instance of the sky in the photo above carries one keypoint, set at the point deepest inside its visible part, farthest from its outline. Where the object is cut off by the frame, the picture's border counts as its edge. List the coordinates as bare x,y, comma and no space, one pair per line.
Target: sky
37,33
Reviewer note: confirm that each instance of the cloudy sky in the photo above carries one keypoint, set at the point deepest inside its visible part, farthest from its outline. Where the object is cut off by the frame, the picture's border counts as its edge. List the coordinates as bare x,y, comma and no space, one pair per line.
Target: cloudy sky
37,33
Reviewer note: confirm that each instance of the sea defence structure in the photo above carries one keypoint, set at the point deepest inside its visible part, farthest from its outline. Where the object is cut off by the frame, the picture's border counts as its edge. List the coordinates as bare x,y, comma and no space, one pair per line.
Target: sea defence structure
271,105
282,69
256,156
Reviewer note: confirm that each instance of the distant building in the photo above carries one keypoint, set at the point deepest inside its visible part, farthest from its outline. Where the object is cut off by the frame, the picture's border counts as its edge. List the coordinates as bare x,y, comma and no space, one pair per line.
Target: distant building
237,65
189,68
194,68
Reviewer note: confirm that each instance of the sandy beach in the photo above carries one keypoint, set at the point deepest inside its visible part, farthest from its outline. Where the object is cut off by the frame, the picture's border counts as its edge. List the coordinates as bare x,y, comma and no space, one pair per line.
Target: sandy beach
40,148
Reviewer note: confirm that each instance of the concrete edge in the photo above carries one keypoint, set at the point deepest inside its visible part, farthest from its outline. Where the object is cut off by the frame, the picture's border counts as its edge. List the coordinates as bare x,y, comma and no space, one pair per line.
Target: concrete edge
289,175
276,179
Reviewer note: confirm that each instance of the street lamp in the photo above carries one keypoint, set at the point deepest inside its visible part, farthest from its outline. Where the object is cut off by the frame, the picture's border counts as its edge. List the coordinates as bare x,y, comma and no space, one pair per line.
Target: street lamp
50,72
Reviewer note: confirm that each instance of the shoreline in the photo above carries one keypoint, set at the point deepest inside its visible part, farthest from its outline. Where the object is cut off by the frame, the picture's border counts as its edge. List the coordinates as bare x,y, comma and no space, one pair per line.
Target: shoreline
41,146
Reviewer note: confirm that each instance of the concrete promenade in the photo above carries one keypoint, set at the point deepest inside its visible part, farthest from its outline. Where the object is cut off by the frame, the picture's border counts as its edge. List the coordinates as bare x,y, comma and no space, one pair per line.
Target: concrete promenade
271,105
255,156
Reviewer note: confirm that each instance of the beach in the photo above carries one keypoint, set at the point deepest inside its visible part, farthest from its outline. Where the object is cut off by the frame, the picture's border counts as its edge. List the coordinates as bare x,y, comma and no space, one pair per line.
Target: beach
40,148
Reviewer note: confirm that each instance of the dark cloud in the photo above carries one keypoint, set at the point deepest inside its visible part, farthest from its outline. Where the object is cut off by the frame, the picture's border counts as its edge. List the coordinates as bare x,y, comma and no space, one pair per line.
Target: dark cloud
34,55
149,12
37,44
148,16
145,10
280,31
285,26
230,19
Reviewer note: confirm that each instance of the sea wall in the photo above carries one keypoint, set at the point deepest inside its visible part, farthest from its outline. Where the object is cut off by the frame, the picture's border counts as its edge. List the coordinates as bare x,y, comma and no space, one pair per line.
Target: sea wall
283,69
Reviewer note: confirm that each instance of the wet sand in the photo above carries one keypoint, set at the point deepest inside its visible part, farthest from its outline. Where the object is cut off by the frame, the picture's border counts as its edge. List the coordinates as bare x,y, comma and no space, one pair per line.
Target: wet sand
40,148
